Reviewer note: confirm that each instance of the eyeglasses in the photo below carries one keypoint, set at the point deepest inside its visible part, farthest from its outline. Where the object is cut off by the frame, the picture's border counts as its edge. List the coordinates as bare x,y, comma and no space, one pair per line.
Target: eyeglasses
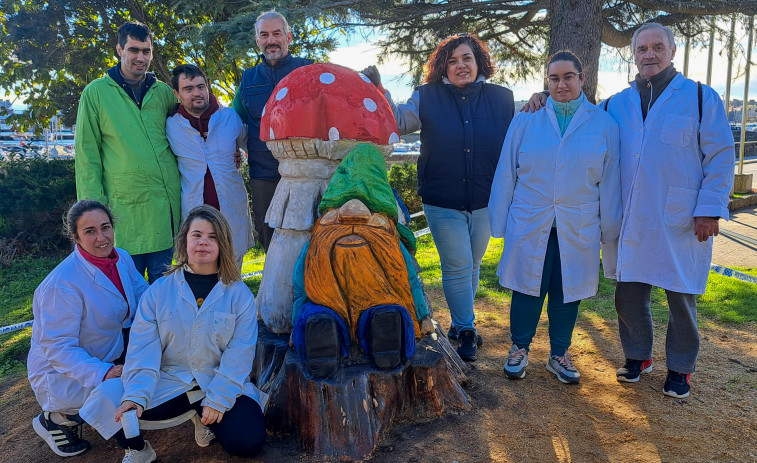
567,78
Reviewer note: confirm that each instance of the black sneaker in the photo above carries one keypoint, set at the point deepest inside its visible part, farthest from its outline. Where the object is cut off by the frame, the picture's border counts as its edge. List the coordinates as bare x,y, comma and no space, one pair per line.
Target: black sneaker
677,384
632,370
466,344
63,439
321,346
452,336
386,339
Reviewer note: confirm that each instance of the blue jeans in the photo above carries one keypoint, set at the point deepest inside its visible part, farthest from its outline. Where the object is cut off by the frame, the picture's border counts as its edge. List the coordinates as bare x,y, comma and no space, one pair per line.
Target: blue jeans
154,262
461,239
525,310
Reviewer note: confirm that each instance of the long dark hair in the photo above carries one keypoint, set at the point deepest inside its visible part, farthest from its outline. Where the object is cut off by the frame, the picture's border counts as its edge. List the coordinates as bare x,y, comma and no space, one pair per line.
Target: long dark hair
565,55
79,208
436,67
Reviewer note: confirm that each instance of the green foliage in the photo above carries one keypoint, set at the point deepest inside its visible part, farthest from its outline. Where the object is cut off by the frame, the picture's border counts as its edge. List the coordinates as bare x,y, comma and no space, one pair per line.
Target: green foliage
17,285
52,50
404,178
36,195
729,300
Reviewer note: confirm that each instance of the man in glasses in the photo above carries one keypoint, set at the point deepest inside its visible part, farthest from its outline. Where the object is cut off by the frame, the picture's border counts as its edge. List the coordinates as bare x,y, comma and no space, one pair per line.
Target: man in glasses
676,163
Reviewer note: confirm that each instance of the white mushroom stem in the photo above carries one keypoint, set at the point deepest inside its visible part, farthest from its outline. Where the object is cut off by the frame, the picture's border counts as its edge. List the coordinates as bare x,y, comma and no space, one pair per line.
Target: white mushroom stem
306,167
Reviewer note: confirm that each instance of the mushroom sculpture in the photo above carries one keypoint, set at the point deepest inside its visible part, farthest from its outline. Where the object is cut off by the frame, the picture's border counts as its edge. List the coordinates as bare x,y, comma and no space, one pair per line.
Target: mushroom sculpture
313,118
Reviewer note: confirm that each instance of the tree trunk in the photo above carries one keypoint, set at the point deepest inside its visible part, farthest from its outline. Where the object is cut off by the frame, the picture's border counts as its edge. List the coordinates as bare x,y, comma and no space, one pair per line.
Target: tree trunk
345,416
577,26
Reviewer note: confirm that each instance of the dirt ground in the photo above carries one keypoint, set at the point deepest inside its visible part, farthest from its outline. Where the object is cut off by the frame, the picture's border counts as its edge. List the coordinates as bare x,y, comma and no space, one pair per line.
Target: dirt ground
535,419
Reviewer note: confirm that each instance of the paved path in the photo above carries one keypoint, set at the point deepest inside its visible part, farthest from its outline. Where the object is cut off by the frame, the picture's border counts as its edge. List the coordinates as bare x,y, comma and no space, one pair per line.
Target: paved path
750,166
736,245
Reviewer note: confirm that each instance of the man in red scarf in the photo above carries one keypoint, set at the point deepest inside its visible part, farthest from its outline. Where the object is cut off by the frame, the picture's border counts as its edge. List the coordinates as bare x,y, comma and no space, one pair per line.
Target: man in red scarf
205,138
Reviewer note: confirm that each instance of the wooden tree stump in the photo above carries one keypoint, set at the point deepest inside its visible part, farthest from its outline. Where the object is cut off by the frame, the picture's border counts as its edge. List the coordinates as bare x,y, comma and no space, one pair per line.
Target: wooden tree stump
345,416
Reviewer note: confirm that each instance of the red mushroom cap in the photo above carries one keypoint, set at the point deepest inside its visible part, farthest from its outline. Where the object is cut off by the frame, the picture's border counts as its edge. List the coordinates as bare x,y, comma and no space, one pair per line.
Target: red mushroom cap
328,102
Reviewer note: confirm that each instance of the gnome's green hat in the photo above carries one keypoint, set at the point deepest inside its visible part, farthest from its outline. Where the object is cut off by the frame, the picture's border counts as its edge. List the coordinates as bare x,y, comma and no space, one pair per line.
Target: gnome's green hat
362,175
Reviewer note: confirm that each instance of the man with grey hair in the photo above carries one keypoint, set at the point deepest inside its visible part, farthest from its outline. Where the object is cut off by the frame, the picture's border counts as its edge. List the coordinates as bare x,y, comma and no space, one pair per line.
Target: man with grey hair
273,37
676,163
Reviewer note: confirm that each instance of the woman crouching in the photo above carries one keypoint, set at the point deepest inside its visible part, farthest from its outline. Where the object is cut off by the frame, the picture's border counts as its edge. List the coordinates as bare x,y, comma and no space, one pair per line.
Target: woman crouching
192,348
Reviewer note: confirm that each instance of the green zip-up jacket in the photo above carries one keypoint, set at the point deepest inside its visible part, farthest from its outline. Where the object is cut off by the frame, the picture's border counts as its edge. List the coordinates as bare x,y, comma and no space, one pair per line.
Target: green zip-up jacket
123,160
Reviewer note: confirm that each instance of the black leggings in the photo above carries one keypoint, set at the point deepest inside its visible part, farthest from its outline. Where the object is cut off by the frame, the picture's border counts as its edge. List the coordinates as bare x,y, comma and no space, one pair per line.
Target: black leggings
241,432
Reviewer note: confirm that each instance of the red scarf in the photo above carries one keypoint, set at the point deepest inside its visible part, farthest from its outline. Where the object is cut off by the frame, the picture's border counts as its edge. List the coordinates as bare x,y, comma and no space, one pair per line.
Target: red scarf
107,265
209,193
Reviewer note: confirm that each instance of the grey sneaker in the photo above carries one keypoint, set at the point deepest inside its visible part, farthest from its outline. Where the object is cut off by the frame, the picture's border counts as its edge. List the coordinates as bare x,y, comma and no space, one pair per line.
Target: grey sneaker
563,368
517,361
146,455
203,434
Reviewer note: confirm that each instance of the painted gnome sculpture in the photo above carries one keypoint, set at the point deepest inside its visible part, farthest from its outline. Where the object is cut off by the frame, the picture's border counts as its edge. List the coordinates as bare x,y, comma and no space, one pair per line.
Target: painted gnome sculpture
313,118
355,280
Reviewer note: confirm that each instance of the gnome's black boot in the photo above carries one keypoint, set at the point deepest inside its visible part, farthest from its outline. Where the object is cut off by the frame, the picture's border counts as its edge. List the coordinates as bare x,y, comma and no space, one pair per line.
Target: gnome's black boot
321,346
386,338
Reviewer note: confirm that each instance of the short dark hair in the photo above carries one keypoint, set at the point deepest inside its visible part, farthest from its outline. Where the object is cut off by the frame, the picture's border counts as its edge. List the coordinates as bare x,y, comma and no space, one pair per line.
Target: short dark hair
565,55
190,71
71,220
436,67
135,30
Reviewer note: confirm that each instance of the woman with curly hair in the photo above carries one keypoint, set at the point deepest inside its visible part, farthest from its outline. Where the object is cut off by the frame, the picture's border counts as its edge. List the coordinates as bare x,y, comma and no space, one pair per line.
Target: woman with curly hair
462,121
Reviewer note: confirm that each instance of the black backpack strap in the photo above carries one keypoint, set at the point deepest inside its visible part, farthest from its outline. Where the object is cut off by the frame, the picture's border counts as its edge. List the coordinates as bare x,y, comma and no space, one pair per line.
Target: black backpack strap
607,102
699,103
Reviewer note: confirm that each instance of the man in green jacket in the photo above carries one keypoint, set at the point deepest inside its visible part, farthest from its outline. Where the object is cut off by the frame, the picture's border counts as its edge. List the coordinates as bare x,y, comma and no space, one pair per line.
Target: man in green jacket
122,155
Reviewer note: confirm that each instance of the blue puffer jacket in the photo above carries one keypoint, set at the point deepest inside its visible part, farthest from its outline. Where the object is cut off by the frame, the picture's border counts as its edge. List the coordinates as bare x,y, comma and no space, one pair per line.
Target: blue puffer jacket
461,139
257,85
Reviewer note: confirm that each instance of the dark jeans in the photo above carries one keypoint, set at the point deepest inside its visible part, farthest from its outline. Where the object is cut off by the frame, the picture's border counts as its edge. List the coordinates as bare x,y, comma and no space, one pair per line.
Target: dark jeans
262,194
241,432
525,310
154,262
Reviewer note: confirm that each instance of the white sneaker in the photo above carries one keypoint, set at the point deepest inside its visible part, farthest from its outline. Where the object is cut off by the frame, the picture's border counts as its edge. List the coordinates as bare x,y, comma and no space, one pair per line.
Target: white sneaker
203,434
146,455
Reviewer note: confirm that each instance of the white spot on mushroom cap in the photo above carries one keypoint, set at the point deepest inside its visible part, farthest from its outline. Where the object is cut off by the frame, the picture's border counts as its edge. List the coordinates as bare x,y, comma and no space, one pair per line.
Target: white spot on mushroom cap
327,78
370,105
270,132
394,138
362,76
281,94
333,134
263,113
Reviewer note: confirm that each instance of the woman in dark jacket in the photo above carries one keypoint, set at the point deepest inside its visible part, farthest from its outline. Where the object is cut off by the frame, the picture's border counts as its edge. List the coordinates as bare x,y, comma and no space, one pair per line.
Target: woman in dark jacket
462,121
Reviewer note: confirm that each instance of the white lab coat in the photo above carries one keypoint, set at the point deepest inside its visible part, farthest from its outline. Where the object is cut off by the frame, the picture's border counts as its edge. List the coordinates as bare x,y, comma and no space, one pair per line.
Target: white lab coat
572,180
174,346
668,178
226,133
78,317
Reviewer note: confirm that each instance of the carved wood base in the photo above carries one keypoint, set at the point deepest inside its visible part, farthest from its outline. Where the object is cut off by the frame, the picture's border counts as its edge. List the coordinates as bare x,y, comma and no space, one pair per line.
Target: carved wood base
345,416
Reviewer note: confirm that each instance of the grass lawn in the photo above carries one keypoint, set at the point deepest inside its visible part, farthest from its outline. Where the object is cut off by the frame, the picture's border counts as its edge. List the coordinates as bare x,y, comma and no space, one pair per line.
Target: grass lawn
727,301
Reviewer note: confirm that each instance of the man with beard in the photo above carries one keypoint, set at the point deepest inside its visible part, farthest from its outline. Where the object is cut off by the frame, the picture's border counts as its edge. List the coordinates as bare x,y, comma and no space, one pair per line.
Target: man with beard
355,281
205,137
273,37
122,154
